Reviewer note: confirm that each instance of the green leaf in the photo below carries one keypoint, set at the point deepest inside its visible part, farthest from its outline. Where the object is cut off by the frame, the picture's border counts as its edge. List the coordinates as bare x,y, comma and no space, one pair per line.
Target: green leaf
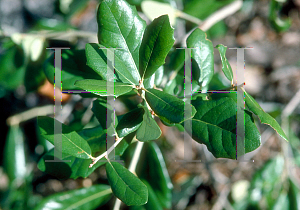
96,58
34,73
167,107
263,116
226,68
172,87
130,122
153,202
120,26
71,142
84,198
99,87
100,111
149,82
157,41
278,23
73,68
14,154
77,167
72,167
294,195
159,74
34,76
152,168
12,67
203,55
267,180
149,130
214,125
126,186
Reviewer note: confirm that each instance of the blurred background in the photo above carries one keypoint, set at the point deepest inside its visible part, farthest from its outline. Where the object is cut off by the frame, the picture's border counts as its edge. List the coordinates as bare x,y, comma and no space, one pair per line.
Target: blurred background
271,177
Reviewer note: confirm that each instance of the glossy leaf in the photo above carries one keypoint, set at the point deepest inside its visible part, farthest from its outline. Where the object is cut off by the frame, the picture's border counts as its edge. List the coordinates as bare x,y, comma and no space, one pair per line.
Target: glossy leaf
14,154
72,143
157,41
167,107
97,58
203,55
73,68
84,198
130,122
263,116
148,130
99,87
120,26
126,186
152,168
96,55
226,68
214,125
177,57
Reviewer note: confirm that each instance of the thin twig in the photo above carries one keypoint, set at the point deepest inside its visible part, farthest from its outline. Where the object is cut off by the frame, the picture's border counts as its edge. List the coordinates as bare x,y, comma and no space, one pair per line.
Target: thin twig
136,156
117,204
50,34
292,105
106,153
188,17
220,15
286,148
216,17
30,114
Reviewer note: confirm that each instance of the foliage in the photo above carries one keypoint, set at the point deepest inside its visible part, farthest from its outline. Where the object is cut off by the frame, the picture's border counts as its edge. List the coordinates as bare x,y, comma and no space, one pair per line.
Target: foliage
140,53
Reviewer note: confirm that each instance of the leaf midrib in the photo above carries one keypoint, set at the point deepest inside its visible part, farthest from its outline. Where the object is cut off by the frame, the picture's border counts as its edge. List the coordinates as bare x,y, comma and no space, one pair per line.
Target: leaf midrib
74,143
147,63
163,100
124,181
90,198
131,58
